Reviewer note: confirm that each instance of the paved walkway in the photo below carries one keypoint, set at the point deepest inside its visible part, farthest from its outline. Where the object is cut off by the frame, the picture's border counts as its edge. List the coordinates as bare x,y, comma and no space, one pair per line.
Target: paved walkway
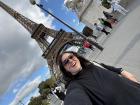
122,48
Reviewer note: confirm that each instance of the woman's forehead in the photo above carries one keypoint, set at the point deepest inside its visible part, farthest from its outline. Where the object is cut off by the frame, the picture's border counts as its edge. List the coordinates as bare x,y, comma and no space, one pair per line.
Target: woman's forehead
65,55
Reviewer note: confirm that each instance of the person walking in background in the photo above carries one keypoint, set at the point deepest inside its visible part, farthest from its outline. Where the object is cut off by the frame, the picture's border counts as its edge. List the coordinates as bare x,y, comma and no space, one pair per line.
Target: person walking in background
105,23
110,17
86,44
58,92
102,29
89,84
116,7
88,32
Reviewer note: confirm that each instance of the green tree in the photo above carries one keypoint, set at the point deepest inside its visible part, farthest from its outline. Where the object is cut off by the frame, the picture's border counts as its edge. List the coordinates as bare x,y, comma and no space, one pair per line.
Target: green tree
46,86
35,101
44,90
39,101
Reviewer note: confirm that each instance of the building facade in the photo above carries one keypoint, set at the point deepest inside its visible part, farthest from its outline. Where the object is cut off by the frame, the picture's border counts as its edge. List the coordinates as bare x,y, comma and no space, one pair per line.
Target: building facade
88,11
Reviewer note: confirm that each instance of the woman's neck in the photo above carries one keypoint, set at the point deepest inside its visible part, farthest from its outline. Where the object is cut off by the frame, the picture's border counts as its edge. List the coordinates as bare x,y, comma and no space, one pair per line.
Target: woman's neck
74,73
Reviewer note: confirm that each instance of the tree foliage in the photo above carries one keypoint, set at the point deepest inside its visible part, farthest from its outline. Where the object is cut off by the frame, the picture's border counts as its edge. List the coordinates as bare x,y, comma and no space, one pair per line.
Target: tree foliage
45,86
39,101
35,101
44,90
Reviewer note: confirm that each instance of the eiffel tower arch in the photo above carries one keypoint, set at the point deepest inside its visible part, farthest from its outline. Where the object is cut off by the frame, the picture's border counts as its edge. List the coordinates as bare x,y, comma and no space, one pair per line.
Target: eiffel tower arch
40,33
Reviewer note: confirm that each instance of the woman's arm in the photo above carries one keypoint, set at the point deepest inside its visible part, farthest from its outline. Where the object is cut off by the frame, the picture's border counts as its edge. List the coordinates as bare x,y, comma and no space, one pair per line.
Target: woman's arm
77,97
128,75
112,68
120,71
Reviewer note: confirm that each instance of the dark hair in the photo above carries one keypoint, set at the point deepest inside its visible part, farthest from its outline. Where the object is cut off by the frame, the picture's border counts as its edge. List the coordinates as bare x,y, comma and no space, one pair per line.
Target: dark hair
95,23
104,12
67,75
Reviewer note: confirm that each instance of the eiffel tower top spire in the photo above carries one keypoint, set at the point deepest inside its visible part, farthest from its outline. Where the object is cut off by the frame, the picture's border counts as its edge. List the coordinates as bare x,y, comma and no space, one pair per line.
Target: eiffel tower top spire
27,23
24,21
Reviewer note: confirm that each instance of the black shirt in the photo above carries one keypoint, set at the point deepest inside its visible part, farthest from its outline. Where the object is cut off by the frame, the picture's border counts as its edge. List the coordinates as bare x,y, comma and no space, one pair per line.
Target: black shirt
97,86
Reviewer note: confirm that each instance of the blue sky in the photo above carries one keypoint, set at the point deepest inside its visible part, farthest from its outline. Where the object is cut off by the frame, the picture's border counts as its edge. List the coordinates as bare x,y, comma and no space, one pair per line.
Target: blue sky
8,97
59,10
29,68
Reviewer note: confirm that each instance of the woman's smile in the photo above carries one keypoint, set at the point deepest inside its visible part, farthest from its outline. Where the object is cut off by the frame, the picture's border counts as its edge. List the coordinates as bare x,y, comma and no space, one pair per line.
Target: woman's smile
73,64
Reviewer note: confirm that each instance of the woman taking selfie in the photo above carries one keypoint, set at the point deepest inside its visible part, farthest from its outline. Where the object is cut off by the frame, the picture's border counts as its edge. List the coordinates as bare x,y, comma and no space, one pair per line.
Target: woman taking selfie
88,84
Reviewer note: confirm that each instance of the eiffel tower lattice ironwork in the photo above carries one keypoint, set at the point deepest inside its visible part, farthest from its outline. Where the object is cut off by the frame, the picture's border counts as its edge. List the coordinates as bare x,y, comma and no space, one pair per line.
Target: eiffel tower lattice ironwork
40,33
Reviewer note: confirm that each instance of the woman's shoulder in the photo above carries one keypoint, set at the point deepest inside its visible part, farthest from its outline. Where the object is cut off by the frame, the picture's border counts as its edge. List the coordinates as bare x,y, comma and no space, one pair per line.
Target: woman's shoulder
90,66
73,88
95,68
73,85
76,95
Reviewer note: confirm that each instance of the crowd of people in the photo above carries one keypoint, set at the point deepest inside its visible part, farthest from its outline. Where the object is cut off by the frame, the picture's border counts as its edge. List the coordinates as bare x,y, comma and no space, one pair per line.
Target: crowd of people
109,19
104,22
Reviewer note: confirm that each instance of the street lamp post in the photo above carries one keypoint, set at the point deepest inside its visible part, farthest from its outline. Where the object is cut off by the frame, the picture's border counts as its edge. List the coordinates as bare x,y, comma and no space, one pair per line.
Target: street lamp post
33,2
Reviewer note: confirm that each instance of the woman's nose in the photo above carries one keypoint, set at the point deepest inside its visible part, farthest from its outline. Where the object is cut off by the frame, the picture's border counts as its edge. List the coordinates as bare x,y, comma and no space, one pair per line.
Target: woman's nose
70,61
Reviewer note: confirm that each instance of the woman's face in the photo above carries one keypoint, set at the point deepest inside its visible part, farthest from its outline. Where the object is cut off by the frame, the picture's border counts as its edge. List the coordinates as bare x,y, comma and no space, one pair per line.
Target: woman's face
71,63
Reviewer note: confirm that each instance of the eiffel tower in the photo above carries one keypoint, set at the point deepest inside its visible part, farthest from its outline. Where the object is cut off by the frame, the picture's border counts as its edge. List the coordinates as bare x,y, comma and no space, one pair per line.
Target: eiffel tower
40,33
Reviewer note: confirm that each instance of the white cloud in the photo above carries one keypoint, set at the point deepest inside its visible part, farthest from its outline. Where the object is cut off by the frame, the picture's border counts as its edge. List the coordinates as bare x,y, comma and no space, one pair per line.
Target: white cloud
33,94
26,89
47,75
74,21
19,54
15,90
63,7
